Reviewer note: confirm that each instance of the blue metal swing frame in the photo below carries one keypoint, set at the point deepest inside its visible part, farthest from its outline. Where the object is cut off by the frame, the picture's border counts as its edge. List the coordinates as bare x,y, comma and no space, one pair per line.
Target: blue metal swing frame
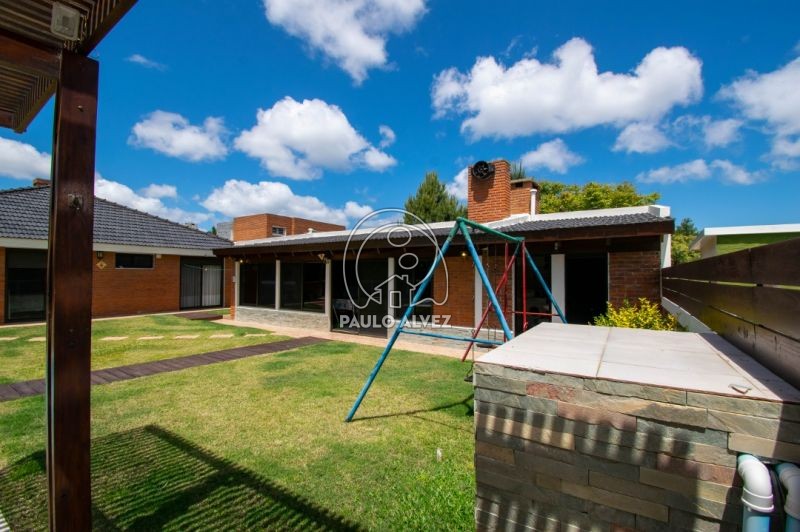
461,226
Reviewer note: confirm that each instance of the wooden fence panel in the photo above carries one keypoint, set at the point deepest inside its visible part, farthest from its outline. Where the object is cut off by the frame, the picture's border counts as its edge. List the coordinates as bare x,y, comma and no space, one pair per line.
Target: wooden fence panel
751,298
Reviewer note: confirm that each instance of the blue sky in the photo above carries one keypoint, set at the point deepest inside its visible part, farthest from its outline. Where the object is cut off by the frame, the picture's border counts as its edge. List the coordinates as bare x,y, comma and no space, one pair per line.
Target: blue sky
329,109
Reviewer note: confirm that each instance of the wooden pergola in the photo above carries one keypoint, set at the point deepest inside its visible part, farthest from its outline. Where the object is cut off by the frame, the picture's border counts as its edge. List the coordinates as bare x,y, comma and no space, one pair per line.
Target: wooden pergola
35,64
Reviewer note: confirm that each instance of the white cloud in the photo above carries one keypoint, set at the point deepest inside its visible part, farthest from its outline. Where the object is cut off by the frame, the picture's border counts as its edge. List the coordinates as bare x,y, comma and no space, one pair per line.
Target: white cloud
298,140
458,186
700,170
160,191
141,60
173,135
735,175
553,155
239,198
641,137
387,136
696,170
351,32
720,133
22,161
772,98
124,195
376,160
566,94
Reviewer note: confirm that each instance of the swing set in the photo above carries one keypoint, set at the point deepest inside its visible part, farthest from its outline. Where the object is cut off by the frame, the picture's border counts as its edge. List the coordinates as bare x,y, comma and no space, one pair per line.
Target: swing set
463,226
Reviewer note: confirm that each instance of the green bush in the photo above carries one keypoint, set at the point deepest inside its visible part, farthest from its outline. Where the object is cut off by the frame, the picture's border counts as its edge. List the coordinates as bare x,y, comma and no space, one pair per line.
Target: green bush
643,315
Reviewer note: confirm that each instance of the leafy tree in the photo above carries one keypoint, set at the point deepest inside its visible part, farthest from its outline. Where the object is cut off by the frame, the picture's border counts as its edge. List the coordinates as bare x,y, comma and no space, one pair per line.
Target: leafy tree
432,202
213,230
684,235
561,197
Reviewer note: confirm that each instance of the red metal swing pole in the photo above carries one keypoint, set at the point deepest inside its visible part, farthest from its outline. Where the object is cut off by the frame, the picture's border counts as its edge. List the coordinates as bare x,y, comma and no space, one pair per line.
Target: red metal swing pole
500,285
524,293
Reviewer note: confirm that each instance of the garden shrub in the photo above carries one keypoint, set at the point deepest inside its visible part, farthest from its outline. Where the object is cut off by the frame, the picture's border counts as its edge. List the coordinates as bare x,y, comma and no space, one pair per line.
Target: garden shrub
643,315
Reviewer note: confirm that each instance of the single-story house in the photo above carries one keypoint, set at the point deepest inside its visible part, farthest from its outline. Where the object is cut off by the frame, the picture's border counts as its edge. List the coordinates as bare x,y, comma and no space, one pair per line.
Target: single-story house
714,241
326,279
142,263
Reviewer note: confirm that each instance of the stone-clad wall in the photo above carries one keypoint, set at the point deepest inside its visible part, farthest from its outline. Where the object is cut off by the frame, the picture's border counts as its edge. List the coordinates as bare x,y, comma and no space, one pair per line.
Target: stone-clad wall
555,452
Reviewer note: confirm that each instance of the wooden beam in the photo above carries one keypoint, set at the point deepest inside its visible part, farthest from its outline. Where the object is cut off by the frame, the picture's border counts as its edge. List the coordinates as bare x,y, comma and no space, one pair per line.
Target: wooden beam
102,20
19,53
69,295
6,119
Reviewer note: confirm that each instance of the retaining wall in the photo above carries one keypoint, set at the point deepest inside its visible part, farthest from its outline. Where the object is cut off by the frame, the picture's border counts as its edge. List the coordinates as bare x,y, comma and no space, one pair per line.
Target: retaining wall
558,452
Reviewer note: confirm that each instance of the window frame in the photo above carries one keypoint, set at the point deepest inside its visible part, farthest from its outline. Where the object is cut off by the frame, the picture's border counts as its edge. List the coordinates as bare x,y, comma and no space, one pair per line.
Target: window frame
281,232
118,267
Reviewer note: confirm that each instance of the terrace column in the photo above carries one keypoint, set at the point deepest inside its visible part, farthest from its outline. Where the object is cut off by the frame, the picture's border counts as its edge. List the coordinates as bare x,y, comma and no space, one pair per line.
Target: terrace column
328,283
390,310
558,283
69,294
277,285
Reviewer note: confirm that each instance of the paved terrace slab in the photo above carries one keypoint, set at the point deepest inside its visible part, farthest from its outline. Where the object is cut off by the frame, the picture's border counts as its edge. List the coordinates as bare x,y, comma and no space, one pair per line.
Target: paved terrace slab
702,362
17,390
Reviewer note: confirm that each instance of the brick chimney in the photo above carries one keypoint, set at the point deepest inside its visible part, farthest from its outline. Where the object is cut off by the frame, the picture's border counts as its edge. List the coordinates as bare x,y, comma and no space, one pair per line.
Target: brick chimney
39,182
498,197
524,197
490,199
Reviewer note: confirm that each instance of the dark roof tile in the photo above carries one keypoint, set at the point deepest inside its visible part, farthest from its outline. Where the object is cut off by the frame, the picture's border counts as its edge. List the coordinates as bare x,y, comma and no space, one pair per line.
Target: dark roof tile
24,213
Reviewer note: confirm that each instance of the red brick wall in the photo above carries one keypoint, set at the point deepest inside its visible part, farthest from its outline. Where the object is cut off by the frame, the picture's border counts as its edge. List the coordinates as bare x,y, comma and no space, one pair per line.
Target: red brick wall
258,226
634,274
491,199
2,285
494,267
460,291
227,280
301,225
521,197
118,292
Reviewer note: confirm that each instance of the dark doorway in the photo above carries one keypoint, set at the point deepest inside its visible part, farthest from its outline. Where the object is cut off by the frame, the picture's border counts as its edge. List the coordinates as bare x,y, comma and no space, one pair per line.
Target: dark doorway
26,282
357,312
201,282
586,279
537,300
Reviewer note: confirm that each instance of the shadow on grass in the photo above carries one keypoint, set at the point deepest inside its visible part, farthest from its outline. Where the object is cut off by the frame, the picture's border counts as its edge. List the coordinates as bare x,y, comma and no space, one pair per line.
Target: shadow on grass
150,479
467,402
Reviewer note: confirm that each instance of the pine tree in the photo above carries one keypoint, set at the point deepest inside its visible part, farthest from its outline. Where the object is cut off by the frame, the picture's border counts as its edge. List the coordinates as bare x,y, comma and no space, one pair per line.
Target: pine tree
432,202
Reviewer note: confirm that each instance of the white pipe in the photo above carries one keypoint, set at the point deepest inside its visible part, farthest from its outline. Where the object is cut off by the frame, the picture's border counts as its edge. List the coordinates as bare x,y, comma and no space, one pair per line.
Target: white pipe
790,478
757,492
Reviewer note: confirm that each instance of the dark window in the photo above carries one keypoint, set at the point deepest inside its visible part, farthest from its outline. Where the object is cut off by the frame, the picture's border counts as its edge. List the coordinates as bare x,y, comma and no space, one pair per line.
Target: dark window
130,260
26,279
278,231
257,285
303,286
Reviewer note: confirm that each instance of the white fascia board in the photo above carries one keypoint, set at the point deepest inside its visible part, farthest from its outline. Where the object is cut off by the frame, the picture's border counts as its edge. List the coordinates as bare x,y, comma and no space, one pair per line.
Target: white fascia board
32,243
661,211
23,243
751,229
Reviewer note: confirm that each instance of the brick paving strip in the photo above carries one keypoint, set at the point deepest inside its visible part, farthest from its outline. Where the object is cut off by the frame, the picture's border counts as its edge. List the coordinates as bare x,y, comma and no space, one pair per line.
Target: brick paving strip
17,390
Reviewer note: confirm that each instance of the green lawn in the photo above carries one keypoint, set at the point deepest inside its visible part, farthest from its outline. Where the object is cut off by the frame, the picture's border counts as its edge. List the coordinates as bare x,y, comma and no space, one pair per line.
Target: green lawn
260,443
22,359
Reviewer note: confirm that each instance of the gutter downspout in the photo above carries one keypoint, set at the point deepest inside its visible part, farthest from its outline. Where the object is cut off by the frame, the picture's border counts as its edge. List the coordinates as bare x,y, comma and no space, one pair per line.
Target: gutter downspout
756,495
790,478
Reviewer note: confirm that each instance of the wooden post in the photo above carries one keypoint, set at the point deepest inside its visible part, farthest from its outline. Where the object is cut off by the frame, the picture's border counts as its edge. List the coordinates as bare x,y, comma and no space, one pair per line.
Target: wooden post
69,295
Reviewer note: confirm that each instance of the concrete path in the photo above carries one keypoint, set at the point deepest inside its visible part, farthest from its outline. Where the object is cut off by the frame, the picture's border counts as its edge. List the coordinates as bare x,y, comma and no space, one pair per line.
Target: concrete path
419,346
17,390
